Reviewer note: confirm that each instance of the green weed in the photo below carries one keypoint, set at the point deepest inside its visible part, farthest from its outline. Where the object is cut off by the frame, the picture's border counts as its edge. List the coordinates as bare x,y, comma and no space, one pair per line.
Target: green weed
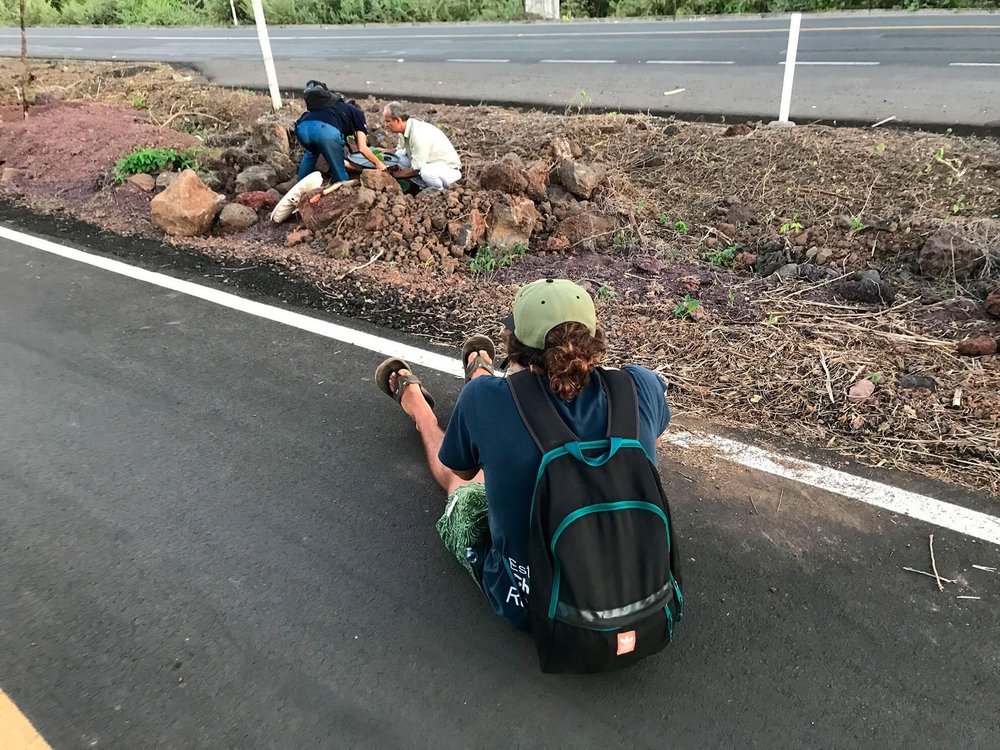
139,100
723,257
686,308
856,224
488,261
606,292
681,227
790,226
663,219
151,160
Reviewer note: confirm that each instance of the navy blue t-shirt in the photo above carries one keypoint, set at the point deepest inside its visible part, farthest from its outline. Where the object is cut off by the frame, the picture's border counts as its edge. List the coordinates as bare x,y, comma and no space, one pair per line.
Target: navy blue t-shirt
344,116
486,430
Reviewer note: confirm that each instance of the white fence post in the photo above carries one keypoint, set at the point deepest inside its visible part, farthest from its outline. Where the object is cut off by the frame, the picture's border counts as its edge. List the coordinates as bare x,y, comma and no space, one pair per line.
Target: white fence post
547,9
232,7
265,48
786,86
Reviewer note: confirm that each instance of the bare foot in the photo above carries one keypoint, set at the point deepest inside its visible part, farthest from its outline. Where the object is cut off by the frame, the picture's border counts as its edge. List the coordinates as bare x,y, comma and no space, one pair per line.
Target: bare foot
413,401
479,371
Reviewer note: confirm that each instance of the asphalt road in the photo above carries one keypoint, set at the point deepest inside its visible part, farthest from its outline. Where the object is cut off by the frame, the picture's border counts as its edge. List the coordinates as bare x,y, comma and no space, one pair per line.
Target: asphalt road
215,532
939,69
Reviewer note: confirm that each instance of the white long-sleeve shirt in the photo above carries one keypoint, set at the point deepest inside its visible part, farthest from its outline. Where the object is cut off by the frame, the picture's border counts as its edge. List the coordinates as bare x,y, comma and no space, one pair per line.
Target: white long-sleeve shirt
426,144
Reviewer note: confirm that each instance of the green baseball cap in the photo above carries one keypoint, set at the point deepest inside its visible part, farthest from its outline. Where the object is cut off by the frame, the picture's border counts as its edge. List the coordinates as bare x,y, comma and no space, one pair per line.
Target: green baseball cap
542,305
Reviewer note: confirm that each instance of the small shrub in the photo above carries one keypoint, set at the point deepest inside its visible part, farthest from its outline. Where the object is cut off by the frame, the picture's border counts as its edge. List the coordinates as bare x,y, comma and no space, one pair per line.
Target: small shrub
151,160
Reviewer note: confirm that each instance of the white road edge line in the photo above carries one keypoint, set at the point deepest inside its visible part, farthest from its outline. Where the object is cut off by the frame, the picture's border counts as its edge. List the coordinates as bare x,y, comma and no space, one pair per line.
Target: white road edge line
474,60
690,62
847,62
413,355
582,62
974,65
921,507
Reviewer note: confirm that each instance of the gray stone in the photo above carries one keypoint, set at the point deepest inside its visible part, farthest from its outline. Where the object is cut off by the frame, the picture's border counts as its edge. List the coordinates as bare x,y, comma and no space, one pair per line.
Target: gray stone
163,179
914,381
787,271
258,177
579,178
947,252
236,217
211,180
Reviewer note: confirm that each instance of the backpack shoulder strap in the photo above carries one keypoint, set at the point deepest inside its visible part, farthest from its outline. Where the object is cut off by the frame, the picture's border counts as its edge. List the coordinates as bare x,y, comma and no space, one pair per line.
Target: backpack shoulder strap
539,415
623,404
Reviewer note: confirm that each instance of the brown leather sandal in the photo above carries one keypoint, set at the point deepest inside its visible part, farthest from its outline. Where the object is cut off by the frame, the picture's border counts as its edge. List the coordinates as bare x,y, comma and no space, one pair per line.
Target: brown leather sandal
477,343
395,364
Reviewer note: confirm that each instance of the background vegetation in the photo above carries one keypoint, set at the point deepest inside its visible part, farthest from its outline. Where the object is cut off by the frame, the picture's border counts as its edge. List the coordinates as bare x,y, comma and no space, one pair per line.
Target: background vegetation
215,12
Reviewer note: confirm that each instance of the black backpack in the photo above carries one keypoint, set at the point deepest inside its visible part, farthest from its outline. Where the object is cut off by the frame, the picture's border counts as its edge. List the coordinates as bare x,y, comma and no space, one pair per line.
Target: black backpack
605,585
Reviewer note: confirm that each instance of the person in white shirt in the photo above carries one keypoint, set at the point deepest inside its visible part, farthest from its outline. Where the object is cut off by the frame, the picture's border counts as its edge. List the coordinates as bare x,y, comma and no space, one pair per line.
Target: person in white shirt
427,157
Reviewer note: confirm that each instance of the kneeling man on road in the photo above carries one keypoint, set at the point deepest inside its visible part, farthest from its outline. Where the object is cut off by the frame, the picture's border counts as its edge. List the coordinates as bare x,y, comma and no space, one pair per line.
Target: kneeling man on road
427,157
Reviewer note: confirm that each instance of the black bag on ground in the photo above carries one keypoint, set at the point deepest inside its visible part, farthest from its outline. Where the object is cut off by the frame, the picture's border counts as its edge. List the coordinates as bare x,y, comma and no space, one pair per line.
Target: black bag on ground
604,584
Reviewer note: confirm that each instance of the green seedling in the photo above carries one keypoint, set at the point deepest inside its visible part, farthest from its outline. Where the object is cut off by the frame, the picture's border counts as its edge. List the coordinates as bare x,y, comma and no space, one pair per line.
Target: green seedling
880,147
856,224
958,206
483,262
722,258
663,219
681,227
640,206
686,308
606,292
139,100
790,226
876,377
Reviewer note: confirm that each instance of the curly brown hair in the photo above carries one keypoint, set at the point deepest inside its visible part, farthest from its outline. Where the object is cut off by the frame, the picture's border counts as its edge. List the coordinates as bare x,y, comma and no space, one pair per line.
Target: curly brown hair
569,356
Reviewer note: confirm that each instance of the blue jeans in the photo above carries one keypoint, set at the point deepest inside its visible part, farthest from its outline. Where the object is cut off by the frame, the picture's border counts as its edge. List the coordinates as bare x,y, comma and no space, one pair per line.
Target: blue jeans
321,138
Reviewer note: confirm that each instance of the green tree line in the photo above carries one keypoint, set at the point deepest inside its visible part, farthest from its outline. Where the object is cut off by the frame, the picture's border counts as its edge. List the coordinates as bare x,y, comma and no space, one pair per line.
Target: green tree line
217,12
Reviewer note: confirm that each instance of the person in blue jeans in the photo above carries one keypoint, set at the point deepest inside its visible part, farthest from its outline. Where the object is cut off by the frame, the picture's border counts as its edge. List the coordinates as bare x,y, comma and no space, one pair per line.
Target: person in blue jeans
322,129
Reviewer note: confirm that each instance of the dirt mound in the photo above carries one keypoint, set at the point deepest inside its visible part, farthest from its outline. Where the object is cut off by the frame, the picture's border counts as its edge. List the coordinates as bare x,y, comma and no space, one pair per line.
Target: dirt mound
70,146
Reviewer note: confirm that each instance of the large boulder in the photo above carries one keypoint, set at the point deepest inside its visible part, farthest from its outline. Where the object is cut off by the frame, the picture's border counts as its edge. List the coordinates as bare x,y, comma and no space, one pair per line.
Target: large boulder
579,178
187,208
258,177
947,251
266,136
538,181
467,235
283,166
504,177
328,209
511,221
380,182
585,231
236,217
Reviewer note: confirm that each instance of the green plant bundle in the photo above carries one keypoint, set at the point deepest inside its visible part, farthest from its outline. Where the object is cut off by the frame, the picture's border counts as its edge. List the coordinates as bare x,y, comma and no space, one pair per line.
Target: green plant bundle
152,160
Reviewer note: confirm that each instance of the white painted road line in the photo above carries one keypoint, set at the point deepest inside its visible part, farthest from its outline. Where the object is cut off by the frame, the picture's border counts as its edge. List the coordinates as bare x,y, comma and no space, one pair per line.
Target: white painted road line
582,62
800,62
974,65
474,60
920,507
690,62
413,355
